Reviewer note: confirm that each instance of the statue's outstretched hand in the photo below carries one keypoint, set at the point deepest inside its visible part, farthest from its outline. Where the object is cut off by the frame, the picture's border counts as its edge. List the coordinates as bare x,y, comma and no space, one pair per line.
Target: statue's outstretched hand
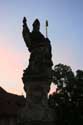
26,33
25,27
24,20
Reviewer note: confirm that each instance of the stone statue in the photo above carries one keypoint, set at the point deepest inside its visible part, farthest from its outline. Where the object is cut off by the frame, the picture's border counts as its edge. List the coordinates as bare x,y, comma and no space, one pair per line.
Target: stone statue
40,62
37,77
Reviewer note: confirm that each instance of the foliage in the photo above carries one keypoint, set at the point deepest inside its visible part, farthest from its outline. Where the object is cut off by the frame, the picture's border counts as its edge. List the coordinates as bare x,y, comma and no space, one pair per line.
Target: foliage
67,101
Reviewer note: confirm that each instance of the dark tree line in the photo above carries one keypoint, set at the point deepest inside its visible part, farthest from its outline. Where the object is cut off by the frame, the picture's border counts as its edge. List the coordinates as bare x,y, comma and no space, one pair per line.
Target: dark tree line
67,101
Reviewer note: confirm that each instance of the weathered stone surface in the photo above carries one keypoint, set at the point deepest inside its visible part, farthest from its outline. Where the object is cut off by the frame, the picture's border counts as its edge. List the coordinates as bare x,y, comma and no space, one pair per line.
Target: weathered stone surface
37,77
37,108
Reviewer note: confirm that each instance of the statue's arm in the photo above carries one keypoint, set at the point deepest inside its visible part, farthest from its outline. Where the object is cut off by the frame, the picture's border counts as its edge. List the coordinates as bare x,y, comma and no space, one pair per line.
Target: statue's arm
26,34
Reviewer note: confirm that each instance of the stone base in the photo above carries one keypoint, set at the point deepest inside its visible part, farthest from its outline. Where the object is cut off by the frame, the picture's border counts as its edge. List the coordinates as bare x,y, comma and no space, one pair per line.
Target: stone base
36,108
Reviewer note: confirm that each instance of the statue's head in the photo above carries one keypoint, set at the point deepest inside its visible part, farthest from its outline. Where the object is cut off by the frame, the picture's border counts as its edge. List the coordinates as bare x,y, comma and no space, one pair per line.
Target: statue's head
36,25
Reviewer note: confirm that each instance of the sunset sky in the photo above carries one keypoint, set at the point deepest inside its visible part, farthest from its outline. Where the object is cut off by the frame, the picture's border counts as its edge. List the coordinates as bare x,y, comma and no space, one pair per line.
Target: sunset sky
65,30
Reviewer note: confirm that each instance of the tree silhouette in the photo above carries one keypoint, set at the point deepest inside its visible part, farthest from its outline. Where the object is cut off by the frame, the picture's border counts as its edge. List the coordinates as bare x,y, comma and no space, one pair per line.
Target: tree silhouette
68,99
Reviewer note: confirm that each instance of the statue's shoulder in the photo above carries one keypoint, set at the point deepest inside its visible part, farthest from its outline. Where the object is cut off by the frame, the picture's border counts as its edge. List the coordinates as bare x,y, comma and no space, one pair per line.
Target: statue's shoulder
47,39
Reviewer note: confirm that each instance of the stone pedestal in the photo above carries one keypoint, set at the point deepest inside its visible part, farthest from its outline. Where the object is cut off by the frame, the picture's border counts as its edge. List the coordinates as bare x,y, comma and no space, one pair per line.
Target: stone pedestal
36,108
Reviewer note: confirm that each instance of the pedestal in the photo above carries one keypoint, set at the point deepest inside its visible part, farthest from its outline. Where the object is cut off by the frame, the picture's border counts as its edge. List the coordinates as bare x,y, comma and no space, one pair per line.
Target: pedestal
36,108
